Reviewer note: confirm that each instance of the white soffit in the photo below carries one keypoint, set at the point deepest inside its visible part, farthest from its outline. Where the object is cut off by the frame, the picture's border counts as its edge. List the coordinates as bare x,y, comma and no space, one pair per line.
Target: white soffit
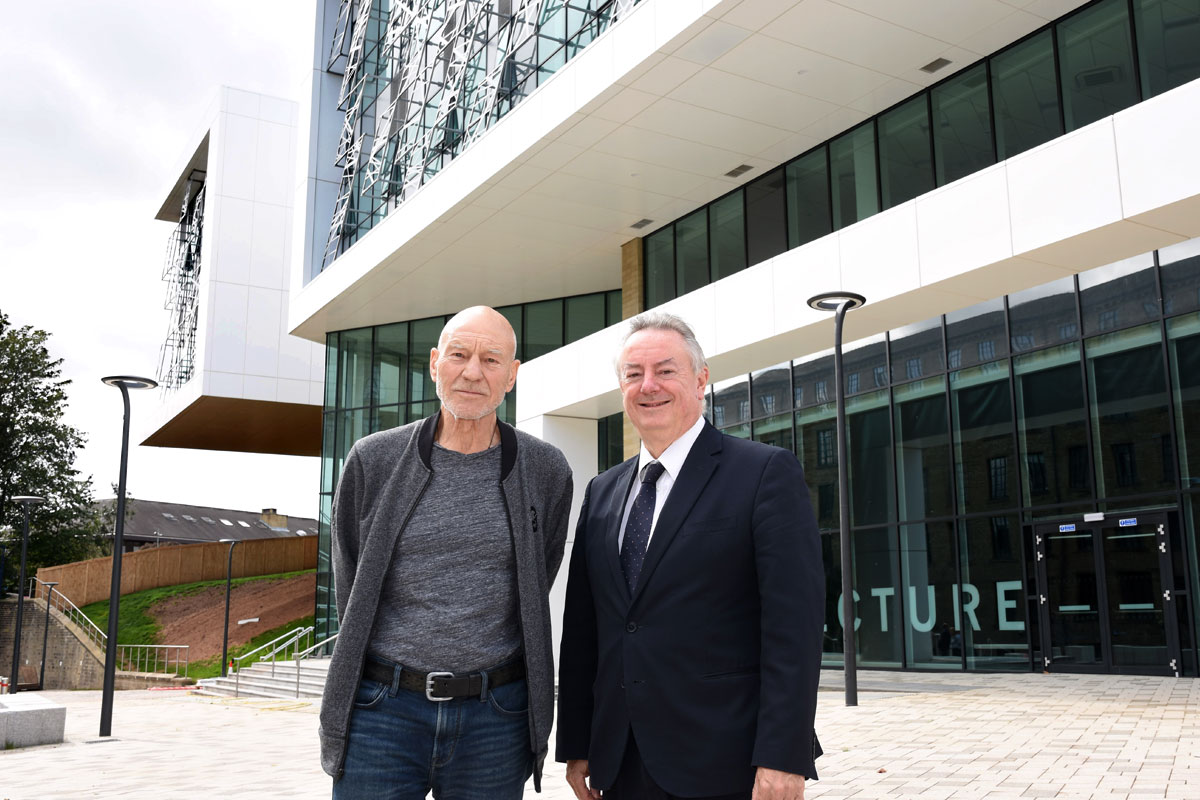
644,124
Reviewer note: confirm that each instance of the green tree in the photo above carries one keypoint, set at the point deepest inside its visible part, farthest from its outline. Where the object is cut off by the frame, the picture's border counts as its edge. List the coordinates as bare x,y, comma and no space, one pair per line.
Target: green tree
37,456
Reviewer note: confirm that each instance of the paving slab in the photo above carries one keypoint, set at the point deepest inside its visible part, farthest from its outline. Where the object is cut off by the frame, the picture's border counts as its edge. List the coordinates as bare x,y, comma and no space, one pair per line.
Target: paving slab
962,736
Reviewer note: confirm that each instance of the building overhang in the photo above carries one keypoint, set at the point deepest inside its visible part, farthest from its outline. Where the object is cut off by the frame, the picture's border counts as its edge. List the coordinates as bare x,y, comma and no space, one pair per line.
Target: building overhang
644,124
170,209
1118,188
241,425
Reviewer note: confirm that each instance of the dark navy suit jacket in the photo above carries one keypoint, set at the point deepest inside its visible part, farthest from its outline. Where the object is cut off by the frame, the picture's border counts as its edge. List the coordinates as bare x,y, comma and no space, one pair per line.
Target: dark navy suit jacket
713,661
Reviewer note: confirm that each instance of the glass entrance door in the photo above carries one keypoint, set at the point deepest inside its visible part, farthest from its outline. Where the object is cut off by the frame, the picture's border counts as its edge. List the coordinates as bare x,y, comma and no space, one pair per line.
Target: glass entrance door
1102,597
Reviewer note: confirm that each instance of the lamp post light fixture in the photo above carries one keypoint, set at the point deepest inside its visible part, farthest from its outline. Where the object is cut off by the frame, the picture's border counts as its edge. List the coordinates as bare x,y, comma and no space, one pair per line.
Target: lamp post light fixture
840,303
124,383
228,580
26,502
46,635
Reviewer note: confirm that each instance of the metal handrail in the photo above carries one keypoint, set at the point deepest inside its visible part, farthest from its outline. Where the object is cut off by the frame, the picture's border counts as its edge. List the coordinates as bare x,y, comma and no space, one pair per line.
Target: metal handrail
64,606
291,636
301,656
297,635
145,657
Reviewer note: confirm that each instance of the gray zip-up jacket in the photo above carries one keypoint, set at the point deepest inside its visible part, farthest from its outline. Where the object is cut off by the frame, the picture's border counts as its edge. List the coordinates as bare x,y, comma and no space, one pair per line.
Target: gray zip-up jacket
382,481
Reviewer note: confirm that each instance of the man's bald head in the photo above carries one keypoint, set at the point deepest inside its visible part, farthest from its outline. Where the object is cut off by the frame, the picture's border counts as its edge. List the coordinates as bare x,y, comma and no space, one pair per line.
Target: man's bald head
480,319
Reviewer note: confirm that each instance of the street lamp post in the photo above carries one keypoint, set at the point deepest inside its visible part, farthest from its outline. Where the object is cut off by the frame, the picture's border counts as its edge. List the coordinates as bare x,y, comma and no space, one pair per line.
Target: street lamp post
27,502
124,383
840,303
228,580
46,635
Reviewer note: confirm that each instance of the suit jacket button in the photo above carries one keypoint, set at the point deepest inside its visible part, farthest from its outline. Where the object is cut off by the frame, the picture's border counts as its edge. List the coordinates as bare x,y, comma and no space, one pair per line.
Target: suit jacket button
631,627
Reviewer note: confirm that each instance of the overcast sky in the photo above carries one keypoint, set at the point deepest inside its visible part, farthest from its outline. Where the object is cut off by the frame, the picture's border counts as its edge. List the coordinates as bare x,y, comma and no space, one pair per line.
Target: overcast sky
98,101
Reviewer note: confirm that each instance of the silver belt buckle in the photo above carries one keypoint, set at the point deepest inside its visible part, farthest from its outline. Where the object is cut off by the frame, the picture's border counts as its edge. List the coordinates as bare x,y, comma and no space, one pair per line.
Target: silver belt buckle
429,686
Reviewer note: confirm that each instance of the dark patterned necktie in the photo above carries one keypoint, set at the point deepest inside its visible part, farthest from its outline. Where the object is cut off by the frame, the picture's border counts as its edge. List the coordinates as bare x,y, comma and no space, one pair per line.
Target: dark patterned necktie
637,529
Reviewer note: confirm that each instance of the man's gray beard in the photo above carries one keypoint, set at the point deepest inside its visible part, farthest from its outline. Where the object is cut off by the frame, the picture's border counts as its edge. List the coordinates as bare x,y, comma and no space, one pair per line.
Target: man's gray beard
446,405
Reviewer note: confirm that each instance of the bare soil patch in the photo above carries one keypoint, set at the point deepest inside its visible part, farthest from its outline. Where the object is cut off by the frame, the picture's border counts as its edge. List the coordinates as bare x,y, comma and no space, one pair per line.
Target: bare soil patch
198,620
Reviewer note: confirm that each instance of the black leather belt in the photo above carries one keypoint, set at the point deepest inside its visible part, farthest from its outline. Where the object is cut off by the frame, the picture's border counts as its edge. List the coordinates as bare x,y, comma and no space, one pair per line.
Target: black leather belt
439,686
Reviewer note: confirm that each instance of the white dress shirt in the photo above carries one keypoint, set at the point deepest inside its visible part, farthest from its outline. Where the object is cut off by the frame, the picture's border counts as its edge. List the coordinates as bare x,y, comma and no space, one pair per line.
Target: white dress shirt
672,461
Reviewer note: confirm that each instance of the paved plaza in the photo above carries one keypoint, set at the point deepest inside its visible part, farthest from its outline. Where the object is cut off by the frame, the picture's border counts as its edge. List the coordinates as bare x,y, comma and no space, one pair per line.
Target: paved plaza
911,736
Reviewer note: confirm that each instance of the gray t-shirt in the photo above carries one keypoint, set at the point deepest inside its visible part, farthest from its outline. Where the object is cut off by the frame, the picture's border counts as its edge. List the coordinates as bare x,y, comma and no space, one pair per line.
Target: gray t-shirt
449,600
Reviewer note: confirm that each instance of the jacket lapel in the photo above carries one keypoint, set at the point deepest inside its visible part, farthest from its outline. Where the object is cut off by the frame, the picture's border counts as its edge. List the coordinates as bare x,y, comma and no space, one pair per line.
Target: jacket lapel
622,485
698,468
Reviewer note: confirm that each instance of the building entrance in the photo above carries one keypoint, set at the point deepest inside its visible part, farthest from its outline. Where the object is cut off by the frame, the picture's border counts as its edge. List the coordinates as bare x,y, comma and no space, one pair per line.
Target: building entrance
1103,596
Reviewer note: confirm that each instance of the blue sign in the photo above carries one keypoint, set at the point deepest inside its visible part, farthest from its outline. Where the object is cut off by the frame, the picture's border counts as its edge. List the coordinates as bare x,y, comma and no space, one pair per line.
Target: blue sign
1128,523
1065,528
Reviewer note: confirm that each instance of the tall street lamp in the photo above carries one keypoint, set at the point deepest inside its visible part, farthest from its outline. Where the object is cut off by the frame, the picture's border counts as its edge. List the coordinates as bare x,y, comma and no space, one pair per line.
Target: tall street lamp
228,580
26,502
124,383
46,635
840,303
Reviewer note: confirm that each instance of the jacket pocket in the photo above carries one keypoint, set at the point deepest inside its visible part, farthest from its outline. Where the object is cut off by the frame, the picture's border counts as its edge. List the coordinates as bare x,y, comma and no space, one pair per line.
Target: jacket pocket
740,672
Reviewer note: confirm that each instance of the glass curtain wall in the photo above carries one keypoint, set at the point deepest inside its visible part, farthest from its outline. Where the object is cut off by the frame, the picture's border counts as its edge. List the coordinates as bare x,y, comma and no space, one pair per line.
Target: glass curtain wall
378,378
963,431
1100,59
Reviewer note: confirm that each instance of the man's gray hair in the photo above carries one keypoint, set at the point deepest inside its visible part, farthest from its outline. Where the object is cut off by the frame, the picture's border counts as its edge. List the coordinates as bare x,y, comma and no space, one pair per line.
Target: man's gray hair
662,321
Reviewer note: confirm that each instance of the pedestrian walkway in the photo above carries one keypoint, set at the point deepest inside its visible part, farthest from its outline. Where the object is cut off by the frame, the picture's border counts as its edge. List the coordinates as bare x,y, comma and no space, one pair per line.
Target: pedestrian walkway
976,737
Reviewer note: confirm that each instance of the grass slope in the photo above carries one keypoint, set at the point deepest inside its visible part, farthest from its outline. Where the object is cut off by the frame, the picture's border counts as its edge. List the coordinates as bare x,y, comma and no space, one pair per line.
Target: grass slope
136,626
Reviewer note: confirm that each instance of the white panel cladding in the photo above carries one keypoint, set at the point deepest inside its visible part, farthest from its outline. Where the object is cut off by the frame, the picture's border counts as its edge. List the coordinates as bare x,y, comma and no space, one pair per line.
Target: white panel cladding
234,238
268,245
1053,211
227,328
263,323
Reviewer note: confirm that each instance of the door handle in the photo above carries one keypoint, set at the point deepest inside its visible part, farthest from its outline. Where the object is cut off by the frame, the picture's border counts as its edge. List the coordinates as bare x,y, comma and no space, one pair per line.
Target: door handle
1167,595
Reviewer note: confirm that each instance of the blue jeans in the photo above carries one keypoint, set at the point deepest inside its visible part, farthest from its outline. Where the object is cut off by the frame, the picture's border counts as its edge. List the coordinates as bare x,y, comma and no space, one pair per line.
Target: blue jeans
401,745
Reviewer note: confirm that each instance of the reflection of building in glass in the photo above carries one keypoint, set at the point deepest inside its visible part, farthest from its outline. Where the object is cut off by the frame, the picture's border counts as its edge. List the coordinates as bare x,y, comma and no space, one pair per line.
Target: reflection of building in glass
1016,196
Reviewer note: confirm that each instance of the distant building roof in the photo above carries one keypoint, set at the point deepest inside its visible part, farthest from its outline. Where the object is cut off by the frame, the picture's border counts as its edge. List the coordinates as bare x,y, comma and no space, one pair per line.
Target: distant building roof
176,523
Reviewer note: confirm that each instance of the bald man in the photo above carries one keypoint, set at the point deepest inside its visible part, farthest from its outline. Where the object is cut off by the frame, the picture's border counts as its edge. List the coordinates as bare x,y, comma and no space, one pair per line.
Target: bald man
447,534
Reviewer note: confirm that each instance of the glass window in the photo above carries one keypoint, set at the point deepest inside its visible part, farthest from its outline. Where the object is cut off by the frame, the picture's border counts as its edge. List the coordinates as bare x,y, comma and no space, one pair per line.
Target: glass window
425,333
766,225
808,376
962,128
1037,315
922,450
513,315
387,417
879,635
933,637
1168,40
977,333
331,376
660,267
992,596
1119,295
391,373
1183,337
831,556
543,328
917,350
585,315
727,225
863,361
613,313
691,252
1096,53
771,391
731,401
355,369
329,464
1128,388
1051,420
852,172
869,447
984,461
1180,277
816,447
1025,94
775,430
808,198
905,161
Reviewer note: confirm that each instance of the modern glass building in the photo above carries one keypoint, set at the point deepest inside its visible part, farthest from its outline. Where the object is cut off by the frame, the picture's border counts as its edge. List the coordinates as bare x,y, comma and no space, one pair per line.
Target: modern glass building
1016,193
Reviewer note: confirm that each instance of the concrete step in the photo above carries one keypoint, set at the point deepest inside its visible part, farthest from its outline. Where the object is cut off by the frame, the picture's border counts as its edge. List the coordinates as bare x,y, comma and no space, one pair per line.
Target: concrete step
256,680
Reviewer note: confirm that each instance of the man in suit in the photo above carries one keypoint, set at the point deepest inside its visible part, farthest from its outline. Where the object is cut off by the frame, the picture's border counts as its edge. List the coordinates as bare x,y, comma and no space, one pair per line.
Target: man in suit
695,600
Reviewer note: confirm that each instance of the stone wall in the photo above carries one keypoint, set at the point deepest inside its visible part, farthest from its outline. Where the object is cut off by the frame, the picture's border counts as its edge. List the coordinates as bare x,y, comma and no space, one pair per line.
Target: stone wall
70,662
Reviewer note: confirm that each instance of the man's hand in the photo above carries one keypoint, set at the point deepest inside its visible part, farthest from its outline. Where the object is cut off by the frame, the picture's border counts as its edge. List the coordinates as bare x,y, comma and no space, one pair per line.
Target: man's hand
577,775
769,784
